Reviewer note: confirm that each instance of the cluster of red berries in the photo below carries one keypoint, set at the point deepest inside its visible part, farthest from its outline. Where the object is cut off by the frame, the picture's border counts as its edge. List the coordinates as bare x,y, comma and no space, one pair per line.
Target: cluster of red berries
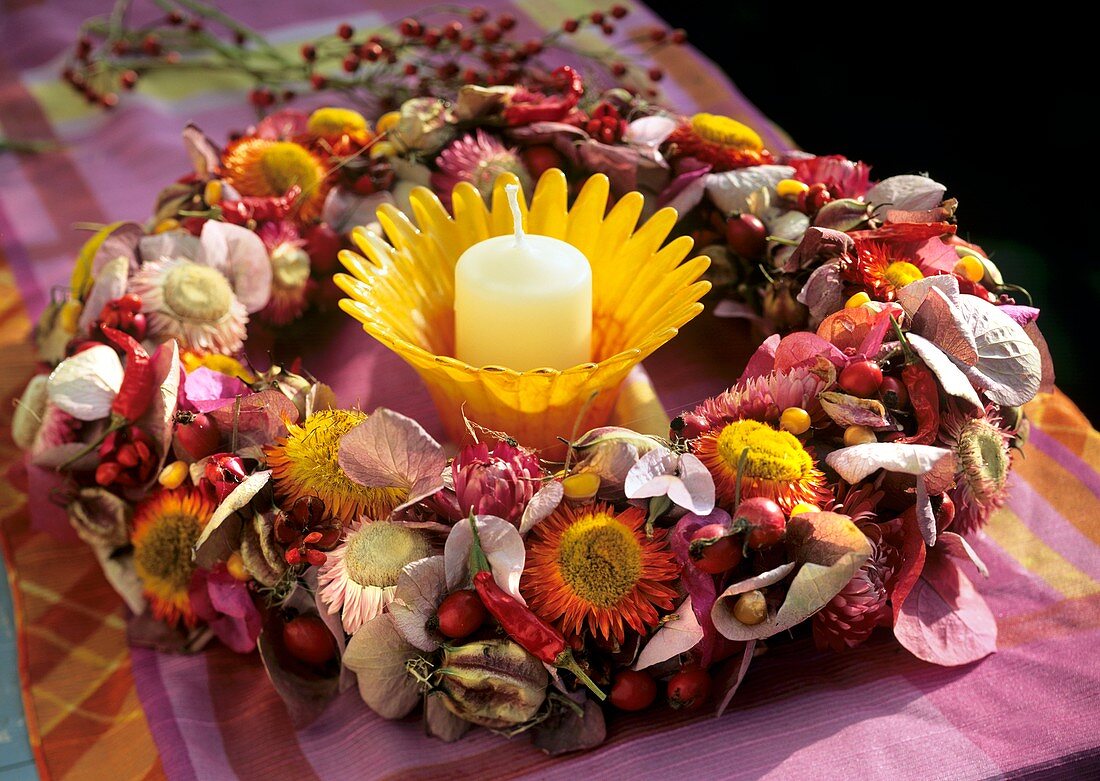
606,124
124,314
414,58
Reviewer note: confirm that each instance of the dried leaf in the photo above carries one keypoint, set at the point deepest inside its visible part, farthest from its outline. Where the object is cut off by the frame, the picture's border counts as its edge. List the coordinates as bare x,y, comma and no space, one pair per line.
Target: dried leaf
952,380
1009,368
439,722
907,192
566,731
957,547
110,283
241,256
1045,359
857,462
85,385
846,410
679,633
698,584
729,677
260,419
389,450
683,479
305,698
421,587
544,502
913,295
803,348
818,244
221,535
823,292
730,190
843,214
204,154
941,321
945,620
913,554
502,545
762,361
377,654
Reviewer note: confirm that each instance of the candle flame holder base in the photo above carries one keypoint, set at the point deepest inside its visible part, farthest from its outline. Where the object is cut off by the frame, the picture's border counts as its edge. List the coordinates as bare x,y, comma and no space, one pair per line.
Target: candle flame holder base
403,294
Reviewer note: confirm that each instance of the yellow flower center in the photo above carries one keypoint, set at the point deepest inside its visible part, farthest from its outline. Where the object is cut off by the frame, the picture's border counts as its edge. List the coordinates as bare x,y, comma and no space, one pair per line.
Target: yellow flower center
290,266
162,554
600,559
725,131
772,455
900,273
196,292
307,463
285,164
336,121
983,459
377,552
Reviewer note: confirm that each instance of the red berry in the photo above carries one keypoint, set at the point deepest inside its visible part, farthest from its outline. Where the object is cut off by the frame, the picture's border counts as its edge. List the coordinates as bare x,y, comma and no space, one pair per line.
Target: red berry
633,690
432,38
150,45
309,640
198,435
131,302
410,69
894,393
570,25
861,378
678,36
453,30
747,235
692,425
261,97
370,52
467,44
470,76
656,74
817,196
618,69
309,52
597,17
128,79
410,28
764,522
345,31
506,21
460,614
194,24
351,63
689,688
714,550
608,29
175,18
657,34
533,46
619,11
490,32
317,81
478,14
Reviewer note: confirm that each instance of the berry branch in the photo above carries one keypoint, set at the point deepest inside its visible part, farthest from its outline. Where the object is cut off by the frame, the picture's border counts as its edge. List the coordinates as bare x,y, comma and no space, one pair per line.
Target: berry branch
434,54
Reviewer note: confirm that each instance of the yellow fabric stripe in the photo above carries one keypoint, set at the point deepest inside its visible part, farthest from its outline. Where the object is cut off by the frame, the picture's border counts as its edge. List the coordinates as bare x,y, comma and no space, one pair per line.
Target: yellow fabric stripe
1018,541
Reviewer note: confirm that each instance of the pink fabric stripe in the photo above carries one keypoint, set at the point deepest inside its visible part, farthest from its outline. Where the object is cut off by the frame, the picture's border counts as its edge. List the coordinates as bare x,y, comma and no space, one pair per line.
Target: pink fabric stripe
161,715
1037,514
1066,458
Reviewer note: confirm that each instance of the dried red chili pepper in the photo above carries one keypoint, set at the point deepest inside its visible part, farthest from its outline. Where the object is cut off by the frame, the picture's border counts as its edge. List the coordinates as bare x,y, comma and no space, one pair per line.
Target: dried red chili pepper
528,107
138,382
528,630
924,398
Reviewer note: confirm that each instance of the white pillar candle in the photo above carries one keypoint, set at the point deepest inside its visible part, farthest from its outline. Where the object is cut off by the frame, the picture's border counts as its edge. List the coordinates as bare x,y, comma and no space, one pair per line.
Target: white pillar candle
523,301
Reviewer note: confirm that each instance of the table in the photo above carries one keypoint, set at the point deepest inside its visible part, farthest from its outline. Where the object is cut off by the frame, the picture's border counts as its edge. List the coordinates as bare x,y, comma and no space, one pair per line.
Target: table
93,708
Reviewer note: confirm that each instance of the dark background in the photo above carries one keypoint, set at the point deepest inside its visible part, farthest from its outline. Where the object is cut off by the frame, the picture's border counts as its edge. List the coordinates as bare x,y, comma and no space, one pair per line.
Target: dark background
995,116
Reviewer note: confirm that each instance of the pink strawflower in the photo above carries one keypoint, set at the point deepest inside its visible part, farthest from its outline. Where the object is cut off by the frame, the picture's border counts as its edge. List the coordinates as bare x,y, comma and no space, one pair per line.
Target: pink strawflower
842,177
477,158
499,482
764,398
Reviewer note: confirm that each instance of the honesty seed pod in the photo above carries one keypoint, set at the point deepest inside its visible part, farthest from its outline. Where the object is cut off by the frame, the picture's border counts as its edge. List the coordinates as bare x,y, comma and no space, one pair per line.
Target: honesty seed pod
494,683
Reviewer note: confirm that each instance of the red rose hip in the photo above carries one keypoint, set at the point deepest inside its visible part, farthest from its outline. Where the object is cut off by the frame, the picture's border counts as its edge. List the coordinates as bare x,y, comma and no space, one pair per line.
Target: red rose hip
633,690
689,688
309,640
460,614
714,550
763,520
746,235
861,378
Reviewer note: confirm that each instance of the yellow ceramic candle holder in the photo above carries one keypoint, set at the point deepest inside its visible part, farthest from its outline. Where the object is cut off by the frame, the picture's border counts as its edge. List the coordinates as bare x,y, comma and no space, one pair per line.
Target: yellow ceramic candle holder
403,293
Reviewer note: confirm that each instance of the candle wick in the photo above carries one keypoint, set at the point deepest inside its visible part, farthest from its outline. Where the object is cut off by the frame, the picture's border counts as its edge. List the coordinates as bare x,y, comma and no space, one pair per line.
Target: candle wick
517,219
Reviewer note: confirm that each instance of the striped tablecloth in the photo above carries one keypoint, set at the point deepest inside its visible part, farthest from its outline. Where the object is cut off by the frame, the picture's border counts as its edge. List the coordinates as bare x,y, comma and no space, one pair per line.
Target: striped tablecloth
95,709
